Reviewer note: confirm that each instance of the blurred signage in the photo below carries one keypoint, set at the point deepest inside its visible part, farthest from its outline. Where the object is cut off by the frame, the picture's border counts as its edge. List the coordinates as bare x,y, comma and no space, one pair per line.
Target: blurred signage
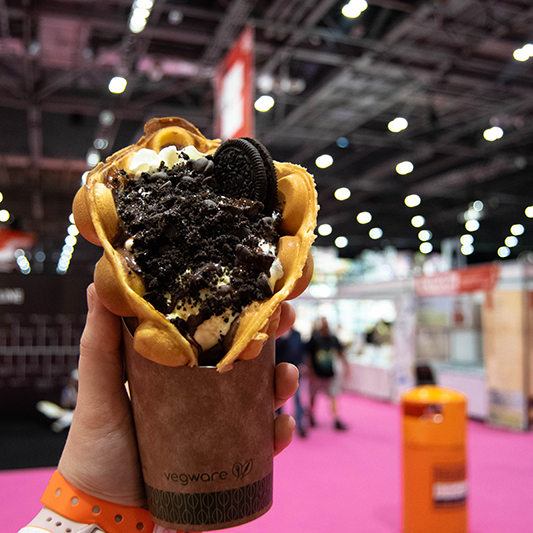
42,294
472,279
12,296
234,90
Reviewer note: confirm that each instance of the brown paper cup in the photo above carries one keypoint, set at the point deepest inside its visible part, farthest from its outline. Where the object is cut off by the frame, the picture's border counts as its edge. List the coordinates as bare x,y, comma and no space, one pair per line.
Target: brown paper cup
206,440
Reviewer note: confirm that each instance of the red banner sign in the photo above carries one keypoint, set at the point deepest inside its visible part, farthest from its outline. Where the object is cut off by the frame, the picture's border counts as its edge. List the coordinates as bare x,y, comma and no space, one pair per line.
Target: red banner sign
234,90
10,241
471,279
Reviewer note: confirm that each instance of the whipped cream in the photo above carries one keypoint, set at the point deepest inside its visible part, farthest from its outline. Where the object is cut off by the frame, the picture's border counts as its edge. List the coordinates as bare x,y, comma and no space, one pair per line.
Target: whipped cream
146,160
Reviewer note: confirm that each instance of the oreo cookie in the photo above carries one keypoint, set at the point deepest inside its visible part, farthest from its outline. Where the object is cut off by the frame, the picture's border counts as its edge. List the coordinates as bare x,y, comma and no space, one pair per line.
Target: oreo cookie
244,169
271,201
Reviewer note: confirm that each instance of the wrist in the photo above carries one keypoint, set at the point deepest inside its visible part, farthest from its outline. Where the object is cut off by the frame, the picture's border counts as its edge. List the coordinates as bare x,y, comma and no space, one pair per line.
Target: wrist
75,505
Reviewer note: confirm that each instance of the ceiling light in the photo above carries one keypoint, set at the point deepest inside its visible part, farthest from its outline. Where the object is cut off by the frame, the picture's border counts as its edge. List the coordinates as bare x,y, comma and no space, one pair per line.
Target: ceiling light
106,117
93,158
341,242
140,13
511,241
73,230
324,161
472,225
364,217
478,205
426,247
1,196
467,249
466,239
425,235
524,53
529,211
472,214
517,229
398,124
342,142
71,218
175,16
100,144
405,167
23,263
324,230
354,8
342,194
265,82
117,85
22,260
418,221
144,4
503,251
139,17
68,248
375,233
412,200
520,54
4,215
492,134
264,103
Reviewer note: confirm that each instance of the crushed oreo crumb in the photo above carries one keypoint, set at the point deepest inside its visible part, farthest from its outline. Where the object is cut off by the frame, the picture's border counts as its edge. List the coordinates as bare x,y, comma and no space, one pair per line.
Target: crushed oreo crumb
186,237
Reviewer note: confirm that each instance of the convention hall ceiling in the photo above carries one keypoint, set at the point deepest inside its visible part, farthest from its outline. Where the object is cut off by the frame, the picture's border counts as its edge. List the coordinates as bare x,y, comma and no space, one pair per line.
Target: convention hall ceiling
447,66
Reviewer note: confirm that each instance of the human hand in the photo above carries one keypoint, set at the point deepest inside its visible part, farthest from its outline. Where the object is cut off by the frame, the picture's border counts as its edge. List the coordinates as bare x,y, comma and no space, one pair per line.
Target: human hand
101,456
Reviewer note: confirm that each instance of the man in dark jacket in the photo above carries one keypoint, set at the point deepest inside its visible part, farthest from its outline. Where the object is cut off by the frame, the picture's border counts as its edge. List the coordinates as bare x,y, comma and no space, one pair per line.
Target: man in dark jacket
290,349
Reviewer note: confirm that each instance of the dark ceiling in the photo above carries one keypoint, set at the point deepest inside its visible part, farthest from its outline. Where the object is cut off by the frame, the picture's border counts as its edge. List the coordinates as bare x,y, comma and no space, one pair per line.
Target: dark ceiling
445,65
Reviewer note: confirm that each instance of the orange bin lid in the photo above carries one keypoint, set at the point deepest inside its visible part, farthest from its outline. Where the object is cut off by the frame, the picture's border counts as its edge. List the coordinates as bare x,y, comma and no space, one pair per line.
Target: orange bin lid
434,416
432,394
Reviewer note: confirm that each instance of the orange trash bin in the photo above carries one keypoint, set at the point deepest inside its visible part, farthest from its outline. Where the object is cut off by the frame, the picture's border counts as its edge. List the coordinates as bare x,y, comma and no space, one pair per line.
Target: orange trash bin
434,461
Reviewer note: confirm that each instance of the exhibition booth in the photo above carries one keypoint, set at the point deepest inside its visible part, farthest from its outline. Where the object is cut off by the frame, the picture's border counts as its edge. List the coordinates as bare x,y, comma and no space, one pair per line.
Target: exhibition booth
472,326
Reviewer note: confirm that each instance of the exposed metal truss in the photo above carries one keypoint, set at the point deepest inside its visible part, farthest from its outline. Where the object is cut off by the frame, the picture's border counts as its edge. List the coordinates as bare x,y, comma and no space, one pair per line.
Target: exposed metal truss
445,65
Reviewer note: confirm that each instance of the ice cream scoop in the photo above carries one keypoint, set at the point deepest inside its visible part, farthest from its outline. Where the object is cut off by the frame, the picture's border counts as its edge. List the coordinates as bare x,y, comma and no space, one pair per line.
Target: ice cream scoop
202,241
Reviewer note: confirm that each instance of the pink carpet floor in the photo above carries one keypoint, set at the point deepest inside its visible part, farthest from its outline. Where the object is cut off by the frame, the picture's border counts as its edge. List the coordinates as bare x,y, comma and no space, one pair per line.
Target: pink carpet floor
350,481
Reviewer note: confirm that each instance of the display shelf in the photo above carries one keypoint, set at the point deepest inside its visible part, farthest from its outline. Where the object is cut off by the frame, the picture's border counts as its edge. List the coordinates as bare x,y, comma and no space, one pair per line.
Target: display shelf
471,381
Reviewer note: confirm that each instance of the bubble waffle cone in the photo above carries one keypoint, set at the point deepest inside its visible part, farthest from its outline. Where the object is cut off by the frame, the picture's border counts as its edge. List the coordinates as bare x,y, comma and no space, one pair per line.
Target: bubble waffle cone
121,289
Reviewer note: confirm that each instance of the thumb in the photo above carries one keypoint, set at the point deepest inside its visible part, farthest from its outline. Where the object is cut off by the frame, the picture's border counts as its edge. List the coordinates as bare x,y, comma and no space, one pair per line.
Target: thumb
101,374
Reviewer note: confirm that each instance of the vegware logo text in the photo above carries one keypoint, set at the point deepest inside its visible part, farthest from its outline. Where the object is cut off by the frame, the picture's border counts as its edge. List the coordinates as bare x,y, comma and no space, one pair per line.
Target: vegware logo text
239,470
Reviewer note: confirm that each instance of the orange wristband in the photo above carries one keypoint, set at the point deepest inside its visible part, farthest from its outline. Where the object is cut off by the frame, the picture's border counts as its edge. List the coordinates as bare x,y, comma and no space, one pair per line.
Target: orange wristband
74,504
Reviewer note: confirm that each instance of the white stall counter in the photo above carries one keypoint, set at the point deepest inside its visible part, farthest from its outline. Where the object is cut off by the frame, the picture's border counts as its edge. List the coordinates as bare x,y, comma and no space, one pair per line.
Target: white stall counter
371,380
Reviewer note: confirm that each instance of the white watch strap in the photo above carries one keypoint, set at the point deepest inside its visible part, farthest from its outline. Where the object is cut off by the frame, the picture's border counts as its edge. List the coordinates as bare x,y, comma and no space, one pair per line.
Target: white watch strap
161,529
48,520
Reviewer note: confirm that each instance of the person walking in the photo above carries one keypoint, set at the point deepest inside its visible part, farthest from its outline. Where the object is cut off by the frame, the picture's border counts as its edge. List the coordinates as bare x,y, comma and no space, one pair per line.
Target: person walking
325,350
